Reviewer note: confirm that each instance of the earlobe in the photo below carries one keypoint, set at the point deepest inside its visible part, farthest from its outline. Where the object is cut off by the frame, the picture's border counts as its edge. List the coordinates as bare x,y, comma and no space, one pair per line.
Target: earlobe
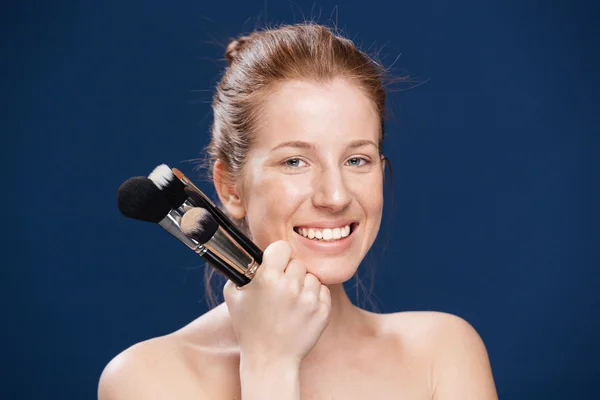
227,192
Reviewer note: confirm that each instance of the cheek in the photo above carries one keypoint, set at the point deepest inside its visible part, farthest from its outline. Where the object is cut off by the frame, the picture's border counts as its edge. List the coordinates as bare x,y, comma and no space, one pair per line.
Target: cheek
270,206
368,190
369,195
376,201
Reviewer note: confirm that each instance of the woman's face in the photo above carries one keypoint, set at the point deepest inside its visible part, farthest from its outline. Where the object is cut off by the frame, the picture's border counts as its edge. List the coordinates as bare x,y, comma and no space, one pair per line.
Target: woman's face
314,176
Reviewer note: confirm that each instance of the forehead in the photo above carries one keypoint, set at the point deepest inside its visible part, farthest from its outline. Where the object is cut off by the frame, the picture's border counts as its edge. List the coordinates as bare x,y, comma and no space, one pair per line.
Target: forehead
322,113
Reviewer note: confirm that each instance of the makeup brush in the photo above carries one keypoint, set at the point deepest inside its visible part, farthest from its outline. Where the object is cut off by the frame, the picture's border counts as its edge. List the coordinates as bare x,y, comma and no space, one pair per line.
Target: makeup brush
200,225
202,200
140,199
172,187
183,194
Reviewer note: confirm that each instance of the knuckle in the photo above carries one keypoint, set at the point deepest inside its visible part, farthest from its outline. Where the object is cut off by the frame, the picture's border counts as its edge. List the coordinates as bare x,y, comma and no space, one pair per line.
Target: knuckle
324,310
278,247
269,279
297,264
293,287
309,299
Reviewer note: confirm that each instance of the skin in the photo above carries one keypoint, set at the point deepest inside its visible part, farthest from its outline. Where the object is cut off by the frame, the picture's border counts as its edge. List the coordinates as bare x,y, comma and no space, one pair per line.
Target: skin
314,162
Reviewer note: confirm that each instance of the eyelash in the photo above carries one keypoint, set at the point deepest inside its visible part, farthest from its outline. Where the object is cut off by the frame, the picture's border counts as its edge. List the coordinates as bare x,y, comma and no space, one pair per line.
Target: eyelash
366,160
286,165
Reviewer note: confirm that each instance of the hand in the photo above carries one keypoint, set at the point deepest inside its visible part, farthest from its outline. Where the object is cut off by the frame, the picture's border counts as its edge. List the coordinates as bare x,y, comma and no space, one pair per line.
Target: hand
280,315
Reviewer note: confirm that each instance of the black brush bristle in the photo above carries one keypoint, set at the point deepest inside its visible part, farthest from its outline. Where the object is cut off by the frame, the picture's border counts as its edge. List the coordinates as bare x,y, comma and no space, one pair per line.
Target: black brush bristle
139,198
169,184
196,198
199,225
175,192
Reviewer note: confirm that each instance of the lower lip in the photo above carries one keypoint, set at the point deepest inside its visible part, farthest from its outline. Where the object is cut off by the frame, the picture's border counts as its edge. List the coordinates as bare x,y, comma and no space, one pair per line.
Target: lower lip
329,246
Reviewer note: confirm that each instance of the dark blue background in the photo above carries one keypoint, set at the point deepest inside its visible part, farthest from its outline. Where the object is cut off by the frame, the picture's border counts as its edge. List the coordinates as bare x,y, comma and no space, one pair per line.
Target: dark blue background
495,161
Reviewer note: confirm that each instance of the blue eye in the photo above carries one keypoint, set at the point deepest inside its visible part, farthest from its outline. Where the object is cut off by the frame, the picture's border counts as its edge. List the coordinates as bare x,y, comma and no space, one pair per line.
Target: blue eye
294,163
357,161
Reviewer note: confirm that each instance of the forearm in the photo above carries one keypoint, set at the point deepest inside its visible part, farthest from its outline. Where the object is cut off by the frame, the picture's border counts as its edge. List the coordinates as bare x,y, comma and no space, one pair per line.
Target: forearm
269,381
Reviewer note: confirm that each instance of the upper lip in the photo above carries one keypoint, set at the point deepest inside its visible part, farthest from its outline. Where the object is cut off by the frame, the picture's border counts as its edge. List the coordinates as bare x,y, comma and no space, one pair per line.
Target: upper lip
326,224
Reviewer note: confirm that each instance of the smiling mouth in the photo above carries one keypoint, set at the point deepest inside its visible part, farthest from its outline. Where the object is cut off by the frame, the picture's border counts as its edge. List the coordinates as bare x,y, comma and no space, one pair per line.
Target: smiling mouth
327,234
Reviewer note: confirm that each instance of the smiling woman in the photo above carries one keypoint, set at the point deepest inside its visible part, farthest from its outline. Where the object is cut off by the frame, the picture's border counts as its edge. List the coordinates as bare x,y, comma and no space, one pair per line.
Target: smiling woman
317,149
296,156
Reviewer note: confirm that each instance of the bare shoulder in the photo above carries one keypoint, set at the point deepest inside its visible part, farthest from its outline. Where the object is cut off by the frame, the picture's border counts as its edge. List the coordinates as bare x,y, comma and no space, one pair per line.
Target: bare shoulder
432,329
144,370
121,378
459,360
170,366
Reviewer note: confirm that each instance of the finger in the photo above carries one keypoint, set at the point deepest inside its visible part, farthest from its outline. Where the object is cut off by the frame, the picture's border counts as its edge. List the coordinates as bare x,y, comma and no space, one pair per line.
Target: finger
312,284
275,259
229,291
296,271
325,295
325,302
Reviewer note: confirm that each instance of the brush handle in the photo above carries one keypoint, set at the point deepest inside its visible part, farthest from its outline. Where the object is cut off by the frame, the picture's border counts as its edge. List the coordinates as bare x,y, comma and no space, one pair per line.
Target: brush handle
170,224
202,201
229,273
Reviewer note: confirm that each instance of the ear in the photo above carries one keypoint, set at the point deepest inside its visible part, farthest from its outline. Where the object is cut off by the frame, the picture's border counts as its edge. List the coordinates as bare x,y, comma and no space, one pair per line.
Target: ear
383,164
227,192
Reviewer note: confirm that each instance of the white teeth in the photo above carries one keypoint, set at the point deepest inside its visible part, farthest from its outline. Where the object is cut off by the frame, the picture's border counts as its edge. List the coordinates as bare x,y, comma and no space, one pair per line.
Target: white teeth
346,231
325,234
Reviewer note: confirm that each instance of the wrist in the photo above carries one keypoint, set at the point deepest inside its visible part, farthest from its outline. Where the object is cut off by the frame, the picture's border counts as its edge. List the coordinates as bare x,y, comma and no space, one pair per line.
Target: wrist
263,365
269,379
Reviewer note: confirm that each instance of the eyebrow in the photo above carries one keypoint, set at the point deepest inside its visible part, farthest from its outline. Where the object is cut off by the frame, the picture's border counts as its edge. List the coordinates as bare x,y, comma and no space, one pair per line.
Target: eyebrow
306,145
360,143
298,144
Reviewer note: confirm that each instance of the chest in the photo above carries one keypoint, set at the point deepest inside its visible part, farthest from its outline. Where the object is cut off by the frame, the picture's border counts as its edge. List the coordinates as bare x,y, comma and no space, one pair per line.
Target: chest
373,381
376,379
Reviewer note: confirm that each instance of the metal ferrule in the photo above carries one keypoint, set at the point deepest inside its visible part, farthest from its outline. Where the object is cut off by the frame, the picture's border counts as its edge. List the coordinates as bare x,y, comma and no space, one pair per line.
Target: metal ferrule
181,210
222,262
170,223
226,248
177,213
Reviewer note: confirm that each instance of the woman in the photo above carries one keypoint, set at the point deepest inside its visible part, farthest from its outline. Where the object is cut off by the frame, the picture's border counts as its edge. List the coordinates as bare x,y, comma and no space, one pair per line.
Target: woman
297,158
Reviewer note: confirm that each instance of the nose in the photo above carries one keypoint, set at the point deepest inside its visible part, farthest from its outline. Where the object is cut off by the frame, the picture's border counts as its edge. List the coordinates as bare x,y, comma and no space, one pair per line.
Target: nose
331,191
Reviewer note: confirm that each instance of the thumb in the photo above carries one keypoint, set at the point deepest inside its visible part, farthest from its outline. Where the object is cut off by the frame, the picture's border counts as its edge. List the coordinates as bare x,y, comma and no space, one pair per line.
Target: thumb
230,291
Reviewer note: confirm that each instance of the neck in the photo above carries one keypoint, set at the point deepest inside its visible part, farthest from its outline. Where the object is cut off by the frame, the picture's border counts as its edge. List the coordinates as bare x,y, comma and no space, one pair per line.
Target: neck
347,325
346,322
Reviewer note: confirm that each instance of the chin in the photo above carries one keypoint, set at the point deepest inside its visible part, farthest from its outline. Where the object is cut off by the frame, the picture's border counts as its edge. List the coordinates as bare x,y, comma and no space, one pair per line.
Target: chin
332,262
331,272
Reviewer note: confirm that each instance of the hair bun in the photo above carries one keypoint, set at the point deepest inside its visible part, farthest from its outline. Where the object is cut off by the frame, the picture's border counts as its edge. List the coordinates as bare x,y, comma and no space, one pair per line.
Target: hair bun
234,48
